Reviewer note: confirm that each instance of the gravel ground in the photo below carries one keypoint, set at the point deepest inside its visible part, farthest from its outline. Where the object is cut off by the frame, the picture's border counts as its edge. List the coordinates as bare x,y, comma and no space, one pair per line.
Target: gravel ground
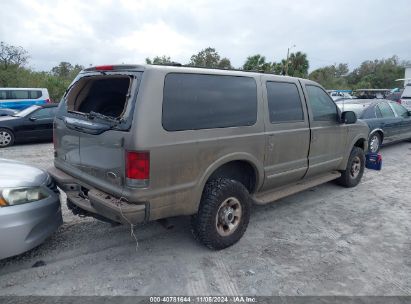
325,241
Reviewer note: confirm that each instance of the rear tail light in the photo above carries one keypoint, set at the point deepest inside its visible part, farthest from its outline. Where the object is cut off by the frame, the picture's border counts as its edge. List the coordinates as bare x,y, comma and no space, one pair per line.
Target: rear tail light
48,100
137,168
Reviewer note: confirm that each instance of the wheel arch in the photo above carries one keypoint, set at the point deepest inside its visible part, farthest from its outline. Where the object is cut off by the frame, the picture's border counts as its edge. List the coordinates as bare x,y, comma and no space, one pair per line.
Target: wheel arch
361,141
234,166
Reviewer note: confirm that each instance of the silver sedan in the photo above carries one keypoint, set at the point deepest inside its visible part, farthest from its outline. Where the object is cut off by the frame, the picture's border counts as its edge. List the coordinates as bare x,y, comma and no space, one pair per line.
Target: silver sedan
29,207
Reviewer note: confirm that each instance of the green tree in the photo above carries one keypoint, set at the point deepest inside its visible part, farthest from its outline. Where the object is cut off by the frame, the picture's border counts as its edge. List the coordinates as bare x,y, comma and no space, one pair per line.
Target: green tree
331,77
377,74
257,63
209,58
12,56
159,60
298,65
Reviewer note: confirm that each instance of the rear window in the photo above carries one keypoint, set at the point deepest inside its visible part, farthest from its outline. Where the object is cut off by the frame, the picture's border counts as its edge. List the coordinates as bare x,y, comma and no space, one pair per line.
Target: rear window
198,101
106,95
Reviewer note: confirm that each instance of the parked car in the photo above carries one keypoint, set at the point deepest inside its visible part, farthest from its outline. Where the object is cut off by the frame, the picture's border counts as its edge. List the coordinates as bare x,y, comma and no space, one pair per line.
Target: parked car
337,95
144,142
8,112
21,98
29,207
388,121
32,124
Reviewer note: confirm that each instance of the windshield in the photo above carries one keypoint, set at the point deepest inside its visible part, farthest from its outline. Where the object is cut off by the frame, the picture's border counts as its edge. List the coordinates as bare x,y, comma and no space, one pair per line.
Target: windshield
27,111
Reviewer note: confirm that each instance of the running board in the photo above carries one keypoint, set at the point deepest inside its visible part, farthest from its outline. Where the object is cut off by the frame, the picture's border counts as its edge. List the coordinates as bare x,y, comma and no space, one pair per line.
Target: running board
273,195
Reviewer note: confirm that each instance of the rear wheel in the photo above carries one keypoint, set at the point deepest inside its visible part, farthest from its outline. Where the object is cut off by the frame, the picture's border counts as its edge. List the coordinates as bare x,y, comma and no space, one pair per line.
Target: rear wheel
374,143
6,138
352,175
223,214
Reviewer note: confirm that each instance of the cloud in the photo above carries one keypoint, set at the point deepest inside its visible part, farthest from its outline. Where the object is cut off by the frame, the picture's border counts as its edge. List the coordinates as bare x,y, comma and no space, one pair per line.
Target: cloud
108,31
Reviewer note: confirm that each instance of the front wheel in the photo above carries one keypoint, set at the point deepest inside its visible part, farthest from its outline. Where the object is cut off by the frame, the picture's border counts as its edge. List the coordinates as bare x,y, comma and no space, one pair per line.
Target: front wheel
374,143
352,175
6,138
223,214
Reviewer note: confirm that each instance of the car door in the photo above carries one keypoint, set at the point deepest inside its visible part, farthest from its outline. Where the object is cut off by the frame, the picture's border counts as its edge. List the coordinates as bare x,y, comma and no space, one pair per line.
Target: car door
402,114
328,135
41,121
390,124
287,130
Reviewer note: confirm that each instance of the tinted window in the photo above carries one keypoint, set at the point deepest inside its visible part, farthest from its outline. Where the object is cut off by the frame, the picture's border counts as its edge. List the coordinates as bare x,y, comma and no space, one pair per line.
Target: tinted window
322,106
385,110
20,94
369,113
193,101
3,95
399,109
284,102
44,113
35,94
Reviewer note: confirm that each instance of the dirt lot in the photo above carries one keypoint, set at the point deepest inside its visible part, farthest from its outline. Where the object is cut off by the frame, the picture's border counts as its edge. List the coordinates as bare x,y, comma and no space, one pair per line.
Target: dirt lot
325,241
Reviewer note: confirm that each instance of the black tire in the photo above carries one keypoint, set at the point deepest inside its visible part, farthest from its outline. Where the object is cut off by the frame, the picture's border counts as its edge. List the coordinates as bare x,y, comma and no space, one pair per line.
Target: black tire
6,138
350,177
374,142
222,197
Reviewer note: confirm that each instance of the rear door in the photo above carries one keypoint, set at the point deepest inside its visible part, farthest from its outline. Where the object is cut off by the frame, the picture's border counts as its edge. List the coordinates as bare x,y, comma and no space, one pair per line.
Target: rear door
287,130
391,125
93,126
328,135
402,113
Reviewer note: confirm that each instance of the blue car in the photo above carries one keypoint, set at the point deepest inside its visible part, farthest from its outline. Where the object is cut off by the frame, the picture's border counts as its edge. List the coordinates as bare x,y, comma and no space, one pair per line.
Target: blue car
388,121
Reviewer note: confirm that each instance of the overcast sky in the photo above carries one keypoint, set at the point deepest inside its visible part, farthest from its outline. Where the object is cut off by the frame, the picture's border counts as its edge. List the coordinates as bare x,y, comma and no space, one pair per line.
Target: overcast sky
128,31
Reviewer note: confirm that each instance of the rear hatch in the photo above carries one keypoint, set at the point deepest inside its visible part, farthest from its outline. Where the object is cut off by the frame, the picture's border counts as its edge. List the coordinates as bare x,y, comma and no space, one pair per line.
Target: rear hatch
92,126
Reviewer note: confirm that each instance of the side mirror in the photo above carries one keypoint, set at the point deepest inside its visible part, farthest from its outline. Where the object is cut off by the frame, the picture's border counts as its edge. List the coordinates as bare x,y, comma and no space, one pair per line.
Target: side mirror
32,118
348,117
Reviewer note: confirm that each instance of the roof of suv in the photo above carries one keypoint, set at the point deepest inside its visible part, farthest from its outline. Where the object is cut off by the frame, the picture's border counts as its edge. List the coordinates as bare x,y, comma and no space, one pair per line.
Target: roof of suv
179,67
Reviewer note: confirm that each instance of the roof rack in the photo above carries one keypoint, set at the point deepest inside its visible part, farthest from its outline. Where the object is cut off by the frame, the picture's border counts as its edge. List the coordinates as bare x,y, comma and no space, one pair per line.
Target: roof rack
209,68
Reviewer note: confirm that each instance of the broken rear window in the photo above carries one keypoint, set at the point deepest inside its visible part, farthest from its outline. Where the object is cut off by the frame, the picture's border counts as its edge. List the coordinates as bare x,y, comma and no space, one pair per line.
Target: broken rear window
106,95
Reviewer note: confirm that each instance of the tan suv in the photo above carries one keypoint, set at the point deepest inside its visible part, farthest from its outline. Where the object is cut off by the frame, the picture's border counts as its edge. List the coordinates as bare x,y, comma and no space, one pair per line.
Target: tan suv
136,143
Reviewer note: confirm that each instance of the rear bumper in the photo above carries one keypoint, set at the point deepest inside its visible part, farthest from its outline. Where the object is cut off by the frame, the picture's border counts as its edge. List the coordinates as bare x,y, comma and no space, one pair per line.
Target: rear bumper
98,202
26,226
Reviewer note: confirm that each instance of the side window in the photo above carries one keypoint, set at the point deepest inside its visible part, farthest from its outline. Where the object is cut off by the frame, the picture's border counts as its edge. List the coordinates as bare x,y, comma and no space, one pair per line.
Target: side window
20,94
3,95
284,102
399,109
43,113
35,94
199,101
386,111
322,106
370,112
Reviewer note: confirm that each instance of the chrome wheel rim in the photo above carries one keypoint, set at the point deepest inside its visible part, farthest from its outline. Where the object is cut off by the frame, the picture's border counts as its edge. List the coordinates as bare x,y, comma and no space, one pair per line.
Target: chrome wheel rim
228,216
374,143
355,167
5,138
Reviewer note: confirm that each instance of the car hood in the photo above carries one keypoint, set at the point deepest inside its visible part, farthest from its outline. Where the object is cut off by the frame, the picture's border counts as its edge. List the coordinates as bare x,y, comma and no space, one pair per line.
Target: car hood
7,118
18,174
